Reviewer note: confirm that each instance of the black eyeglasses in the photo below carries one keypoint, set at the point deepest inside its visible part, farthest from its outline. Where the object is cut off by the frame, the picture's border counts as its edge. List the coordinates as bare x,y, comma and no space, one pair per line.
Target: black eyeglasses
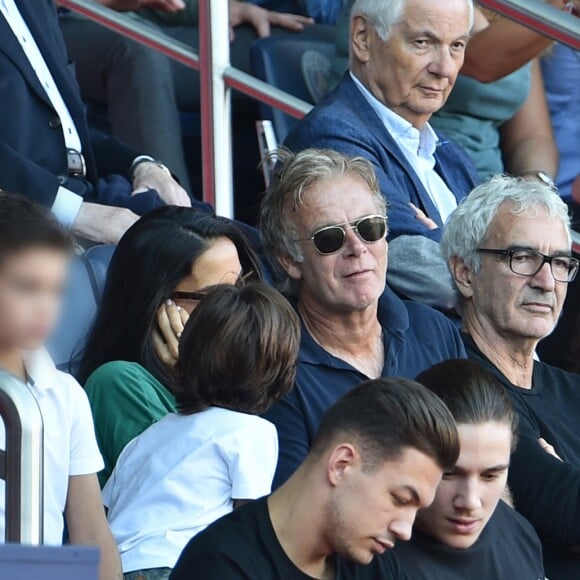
331,239
526,262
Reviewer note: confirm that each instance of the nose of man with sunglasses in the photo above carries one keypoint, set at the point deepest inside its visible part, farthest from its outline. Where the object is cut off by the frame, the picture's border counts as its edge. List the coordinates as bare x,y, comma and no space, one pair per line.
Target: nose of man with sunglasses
324,220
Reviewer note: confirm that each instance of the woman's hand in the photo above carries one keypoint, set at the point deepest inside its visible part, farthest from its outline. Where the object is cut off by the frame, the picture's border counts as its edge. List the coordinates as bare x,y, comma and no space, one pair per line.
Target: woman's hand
171,320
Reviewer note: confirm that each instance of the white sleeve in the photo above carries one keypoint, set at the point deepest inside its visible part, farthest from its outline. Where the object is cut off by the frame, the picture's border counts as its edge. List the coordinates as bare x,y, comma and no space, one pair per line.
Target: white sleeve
66,206
252,459
85,457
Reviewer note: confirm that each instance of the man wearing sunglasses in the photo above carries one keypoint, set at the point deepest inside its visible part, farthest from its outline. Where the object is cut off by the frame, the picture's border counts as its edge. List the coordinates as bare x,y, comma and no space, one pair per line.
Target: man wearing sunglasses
508,247
324,227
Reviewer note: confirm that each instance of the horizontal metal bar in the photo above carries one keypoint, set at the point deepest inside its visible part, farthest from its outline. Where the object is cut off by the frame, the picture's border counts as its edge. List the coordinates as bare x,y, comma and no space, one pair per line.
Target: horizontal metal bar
136,29
541,17
261,91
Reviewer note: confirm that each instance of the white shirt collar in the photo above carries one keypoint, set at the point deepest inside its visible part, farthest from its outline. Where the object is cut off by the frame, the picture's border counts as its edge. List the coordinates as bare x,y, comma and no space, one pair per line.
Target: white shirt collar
423,142
40,368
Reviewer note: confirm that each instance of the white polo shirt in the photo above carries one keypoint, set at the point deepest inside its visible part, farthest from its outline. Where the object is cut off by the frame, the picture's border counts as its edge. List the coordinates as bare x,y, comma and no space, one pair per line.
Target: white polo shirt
70,446
182,474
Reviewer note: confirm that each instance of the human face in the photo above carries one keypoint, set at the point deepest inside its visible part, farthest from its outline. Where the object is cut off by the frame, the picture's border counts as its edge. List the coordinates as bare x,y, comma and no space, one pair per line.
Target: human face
31,288
413,72
512,305
219,264
373,509
468,494
353,278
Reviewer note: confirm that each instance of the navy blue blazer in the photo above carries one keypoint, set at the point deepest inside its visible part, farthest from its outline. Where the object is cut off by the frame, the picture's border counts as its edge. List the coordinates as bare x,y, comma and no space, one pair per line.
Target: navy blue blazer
32,149
346,122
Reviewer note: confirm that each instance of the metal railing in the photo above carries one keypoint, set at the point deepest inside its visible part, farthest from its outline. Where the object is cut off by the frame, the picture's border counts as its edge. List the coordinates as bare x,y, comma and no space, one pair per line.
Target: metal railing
218,77
21,465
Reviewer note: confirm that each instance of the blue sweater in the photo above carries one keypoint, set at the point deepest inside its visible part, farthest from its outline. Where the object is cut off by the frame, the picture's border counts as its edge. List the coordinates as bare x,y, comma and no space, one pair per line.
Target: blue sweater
415,336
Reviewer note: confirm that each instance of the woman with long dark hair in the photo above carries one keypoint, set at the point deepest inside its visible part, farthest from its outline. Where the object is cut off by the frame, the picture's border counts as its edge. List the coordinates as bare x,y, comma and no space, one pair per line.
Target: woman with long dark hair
154,281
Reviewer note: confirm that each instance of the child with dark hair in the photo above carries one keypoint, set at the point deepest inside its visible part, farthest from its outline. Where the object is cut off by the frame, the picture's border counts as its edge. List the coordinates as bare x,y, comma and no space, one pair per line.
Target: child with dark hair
237,356
34,254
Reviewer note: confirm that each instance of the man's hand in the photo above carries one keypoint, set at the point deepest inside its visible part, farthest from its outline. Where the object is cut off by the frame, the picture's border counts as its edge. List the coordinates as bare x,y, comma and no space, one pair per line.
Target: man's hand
130,5
171,320
151,176
103,223
262,20
423,218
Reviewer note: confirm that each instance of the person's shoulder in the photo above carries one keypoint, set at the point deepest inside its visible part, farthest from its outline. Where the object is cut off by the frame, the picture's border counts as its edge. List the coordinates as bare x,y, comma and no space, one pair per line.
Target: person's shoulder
122,374
515,533
552,374
229,422
426,319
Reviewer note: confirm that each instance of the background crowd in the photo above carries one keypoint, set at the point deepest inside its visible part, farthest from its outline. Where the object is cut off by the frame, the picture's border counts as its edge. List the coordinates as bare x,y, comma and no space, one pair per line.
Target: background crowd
350,382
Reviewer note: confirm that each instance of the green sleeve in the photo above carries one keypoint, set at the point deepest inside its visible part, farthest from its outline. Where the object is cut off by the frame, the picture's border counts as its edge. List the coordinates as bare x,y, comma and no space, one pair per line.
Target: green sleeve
125,400
186,17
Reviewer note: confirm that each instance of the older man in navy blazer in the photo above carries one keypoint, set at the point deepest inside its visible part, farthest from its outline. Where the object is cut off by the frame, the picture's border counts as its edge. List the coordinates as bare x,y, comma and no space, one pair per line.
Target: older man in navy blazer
46,149
405,57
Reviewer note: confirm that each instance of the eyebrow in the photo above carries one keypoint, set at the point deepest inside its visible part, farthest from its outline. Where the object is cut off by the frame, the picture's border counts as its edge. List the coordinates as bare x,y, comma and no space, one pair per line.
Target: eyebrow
559,253
432,35
494,469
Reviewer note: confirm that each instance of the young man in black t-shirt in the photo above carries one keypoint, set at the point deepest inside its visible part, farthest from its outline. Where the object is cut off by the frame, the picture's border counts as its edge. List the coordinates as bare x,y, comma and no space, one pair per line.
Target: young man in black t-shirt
378,458
468,532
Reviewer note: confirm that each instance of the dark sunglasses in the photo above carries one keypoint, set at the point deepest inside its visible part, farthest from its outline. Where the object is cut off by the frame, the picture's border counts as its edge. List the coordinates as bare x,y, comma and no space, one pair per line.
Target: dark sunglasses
331,239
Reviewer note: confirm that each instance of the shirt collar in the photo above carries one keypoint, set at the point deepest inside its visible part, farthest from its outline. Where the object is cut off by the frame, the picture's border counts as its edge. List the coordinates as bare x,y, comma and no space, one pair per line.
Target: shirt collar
394,320
424,142
40,368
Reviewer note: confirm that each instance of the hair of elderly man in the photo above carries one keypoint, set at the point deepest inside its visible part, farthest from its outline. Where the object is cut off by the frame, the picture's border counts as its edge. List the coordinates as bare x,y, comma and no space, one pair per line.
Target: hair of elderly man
295,175
468,226
385,14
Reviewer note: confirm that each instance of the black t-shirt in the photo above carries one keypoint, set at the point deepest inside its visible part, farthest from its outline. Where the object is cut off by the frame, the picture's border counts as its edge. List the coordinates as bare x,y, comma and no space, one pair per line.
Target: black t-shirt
508,549
244,546
547,491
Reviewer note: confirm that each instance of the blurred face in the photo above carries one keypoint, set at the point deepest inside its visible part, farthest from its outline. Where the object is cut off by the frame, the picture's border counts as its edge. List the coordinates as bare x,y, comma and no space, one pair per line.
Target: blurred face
219,264
371,510
468,494
414,71
31,287
353,278
513,305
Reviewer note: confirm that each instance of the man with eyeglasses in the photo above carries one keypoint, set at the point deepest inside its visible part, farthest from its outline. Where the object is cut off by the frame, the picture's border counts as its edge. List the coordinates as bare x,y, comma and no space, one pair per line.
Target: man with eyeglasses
324,228
508,247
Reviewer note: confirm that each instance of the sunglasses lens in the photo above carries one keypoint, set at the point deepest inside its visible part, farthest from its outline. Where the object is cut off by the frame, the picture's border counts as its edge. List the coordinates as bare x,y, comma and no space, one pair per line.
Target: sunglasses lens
372,229
329,240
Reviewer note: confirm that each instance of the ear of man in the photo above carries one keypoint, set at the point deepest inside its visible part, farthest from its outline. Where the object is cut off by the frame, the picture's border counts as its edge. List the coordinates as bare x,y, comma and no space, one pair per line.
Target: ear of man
361,32
341,460
292,268
462,275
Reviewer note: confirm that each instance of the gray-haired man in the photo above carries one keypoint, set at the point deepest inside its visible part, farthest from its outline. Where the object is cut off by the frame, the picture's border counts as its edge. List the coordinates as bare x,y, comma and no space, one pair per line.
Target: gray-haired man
508,247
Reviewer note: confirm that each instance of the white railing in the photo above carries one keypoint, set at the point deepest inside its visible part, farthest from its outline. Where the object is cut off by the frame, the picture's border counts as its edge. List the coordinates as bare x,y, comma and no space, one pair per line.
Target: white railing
21,465
218,77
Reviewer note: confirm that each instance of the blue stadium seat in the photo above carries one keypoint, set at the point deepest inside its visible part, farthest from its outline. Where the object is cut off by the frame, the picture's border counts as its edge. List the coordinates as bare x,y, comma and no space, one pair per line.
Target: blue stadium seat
277,60
84,292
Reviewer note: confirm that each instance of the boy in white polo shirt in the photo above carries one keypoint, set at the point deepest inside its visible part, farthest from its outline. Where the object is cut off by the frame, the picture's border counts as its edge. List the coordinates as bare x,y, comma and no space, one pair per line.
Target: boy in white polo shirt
34,255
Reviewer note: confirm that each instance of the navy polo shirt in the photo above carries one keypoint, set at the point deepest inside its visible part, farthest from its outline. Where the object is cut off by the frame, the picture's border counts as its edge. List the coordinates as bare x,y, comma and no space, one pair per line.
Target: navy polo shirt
416,337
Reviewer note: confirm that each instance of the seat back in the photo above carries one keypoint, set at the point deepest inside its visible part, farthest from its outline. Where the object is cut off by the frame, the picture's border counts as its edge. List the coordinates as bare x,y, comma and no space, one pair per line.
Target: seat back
277,60
82,297
19,562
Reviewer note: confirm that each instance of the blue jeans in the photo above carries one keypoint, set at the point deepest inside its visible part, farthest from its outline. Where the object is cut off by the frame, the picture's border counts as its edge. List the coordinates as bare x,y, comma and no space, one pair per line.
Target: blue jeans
151,574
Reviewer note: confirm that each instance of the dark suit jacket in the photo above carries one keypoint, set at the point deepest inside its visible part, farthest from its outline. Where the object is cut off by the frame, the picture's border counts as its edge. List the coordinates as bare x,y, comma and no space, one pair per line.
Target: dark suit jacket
32,150
346,122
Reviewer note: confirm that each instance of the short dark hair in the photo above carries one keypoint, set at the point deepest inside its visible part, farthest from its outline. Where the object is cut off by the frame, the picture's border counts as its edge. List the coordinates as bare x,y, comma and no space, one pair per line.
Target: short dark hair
25,224
238,350
386,416
473,394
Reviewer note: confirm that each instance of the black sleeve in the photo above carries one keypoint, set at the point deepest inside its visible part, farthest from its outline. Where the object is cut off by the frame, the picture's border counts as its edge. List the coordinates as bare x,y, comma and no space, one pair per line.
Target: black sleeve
546,490
112,156
209,564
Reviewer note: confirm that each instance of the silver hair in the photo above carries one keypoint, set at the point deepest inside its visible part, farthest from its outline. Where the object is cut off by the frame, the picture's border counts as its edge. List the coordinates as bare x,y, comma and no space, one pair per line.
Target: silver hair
468,226
385,14
296,174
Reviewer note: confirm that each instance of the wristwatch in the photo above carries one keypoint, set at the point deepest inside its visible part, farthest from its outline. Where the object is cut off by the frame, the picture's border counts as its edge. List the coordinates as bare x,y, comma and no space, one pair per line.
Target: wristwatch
543,177
147,159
